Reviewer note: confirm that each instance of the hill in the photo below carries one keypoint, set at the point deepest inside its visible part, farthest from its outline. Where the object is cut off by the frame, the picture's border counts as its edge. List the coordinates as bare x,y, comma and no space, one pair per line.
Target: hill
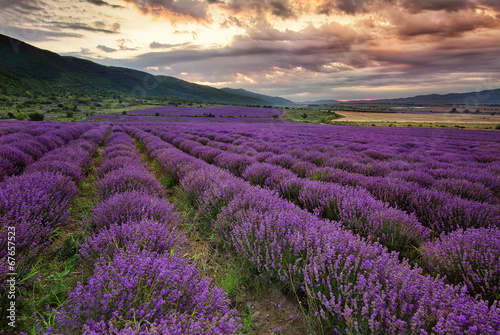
469,98
273,100
24,68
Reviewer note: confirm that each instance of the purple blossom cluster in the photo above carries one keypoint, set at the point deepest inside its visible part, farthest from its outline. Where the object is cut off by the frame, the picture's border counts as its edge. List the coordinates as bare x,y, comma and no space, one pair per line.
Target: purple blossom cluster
355,208
140,282
37,202
470,257
130,206
444,191
123,170
358,285
144,291
21,148
224,111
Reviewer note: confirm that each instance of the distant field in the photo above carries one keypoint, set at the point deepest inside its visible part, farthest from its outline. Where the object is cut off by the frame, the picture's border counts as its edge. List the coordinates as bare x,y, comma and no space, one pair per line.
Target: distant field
446,119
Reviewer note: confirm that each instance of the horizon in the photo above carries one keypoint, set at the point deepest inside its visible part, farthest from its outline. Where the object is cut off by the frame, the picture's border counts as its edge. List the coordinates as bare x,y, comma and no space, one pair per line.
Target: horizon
344,50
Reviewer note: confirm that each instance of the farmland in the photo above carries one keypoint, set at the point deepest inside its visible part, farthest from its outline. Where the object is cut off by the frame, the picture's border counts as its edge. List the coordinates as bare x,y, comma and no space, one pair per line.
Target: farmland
159,224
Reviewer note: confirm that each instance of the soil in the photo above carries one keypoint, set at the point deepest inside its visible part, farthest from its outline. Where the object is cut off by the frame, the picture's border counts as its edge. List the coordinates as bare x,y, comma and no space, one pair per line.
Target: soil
272,312
419,118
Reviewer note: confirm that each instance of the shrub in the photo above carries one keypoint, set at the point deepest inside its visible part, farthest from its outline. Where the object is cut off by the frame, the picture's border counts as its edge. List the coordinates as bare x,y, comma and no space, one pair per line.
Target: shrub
131,206
133,178
36,116
140,290
142,235
21,116
467,257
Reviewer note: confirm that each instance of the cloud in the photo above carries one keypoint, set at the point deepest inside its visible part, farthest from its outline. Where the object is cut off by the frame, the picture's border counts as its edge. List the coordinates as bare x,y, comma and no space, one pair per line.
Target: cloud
156,45
436,5
102,3
441,24
106,49
82,26
36,35
190,10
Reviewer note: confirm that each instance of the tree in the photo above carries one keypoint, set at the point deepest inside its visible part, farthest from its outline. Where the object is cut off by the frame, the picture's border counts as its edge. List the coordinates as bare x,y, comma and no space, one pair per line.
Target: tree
304,116
275,116
69,113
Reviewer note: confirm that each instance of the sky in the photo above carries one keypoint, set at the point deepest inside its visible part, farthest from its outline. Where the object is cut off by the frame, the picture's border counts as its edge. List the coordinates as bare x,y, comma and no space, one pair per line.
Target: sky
297,49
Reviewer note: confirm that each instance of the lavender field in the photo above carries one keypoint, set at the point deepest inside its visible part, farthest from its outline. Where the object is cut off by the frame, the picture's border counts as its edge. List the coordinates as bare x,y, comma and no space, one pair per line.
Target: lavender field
372,230
223,111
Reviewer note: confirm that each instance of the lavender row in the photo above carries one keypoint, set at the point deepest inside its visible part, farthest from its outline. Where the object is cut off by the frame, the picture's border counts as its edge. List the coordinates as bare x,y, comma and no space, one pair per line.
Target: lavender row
355,208
411,158
232,111
437,209
320,195
22,148
140,282
358,286
34,205
470,257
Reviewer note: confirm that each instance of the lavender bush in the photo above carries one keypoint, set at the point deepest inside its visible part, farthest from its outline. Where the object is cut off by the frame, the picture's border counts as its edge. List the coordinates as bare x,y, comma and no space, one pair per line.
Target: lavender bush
156,236
138,289
470,257
131,206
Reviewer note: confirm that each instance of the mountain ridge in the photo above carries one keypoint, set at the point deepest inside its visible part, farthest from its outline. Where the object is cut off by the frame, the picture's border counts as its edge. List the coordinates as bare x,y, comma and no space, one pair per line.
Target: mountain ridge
24,67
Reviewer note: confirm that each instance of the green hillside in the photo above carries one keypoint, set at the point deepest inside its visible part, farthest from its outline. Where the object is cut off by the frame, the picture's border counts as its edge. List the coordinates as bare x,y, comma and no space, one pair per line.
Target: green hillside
24,67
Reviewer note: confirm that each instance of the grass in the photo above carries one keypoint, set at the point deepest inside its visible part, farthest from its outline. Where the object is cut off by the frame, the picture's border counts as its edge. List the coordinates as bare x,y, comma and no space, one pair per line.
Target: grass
310,116
215,259
59,269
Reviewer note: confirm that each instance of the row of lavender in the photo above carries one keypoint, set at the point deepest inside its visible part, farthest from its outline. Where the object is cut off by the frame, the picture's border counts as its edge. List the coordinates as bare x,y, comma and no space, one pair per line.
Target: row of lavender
356,209
371,152
452,202
34,205
141,283
24,143
358,286
233,111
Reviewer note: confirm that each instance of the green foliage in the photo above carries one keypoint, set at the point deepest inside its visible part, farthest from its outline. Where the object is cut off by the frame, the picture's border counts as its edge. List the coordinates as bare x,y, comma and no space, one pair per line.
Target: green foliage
69,248
304,116
36,116
69,113
21,116
497,127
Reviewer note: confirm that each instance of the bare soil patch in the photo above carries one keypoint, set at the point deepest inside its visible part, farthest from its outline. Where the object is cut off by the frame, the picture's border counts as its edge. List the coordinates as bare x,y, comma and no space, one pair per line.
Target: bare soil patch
444,118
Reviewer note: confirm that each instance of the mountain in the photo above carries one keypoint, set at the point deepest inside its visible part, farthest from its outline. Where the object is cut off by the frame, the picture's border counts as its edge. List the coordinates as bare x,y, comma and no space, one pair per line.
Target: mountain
271,100
24,67
469,98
